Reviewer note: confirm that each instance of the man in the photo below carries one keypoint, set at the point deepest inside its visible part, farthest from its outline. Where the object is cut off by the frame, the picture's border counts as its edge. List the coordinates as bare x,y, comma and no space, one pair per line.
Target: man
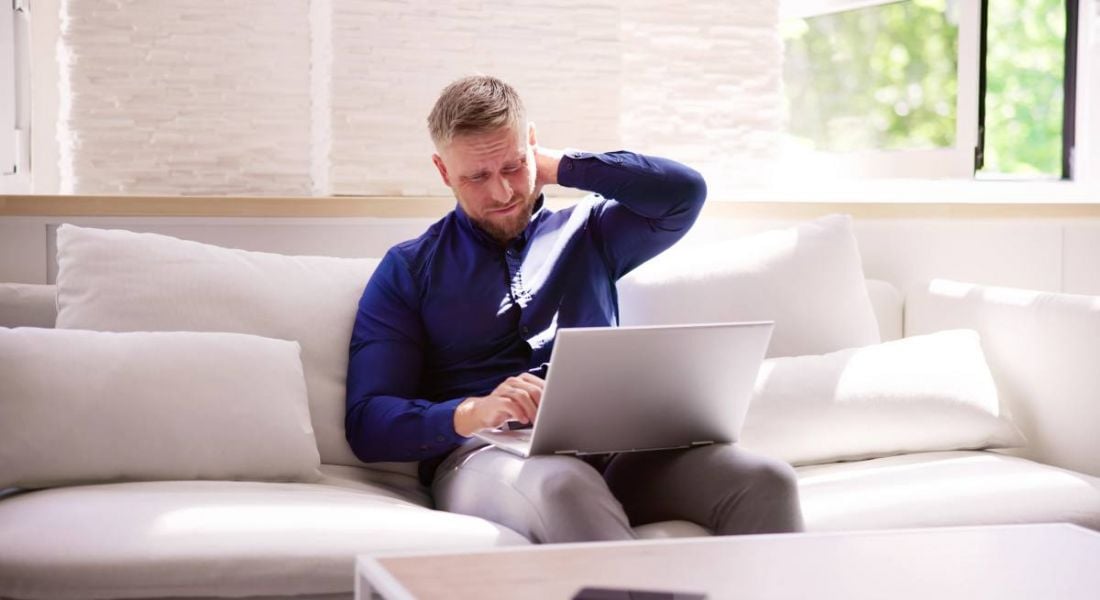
454,329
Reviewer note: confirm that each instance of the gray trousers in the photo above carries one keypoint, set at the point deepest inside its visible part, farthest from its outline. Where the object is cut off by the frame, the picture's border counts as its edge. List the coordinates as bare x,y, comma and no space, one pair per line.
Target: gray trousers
553,499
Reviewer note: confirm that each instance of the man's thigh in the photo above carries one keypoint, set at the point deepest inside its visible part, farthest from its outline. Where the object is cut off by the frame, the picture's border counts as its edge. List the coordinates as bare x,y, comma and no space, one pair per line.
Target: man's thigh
719,486
545,498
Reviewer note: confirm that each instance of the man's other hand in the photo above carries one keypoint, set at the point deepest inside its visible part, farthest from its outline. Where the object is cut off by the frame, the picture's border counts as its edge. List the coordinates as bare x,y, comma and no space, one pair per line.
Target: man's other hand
515,399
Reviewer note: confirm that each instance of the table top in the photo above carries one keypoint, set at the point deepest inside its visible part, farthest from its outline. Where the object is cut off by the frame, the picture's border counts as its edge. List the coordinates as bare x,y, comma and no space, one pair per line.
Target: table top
1003,562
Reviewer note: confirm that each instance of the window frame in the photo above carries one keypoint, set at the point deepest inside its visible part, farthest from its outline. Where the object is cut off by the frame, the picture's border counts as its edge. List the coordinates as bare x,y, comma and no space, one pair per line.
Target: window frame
1085,154
14,101
7,98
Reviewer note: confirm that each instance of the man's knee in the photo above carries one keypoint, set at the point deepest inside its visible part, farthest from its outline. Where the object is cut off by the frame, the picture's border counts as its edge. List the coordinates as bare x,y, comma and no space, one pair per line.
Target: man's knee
765,501
743,474
737,461
774,477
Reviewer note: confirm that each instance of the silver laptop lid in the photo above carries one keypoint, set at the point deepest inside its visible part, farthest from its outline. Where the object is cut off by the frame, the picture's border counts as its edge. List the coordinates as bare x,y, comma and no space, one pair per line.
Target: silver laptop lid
617,389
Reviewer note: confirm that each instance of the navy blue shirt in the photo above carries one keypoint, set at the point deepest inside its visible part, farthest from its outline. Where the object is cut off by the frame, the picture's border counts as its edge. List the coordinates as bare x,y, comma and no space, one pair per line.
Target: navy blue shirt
453,312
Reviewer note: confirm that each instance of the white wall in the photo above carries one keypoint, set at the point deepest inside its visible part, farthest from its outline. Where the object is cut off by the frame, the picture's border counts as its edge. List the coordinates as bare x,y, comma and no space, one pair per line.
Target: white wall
185,97
392,59
45,96
293,97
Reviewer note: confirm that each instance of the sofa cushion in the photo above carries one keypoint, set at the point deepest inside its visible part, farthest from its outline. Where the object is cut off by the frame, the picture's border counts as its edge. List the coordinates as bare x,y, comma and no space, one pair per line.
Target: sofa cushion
207,538
87,406
113,280
664,530
27,305
917,394
945,489
808,279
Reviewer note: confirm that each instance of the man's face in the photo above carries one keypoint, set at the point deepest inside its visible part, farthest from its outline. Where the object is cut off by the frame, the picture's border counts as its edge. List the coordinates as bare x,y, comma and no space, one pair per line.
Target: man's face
493,177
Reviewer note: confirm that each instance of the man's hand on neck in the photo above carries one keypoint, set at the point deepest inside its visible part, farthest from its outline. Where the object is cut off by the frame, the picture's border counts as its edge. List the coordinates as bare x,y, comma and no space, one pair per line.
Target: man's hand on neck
546,167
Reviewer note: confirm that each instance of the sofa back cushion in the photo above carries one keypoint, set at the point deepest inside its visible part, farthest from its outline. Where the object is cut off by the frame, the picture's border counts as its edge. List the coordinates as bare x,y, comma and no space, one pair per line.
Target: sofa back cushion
808,279
34,305
89,406
1043,349
113,280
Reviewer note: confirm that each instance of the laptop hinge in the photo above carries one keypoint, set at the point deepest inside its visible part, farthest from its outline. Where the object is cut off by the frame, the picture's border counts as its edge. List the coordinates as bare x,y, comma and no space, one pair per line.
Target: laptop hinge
703,443
570,452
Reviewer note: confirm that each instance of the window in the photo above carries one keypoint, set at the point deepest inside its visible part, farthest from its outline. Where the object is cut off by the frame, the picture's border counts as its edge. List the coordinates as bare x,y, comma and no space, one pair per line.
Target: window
933,88
878,77
882,88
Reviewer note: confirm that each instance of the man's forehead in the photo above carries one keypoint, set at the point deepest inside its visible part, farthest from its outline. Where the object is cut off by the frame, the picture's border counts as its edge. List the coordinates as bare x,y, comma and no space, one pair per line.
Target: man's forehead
496,138
486,148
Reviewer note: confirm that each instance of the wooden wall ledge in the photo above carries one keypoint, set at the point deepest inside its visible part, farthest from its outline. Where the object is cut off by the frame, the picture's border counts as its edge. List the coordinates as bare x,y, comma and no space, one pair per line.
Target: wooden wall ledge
223,206
436,206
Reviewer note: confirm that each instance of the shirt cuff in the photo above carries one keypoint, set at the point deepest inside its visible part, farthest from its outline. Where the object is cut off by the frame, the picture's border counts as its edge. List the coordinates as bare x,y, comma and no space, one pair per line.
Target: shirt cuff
571,167
440,419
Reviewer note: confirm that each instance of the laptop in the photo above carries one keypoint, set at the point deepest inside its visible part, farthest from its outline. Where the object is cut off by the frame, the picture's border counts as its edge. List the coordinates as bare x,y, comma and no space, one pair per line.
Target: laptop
628,389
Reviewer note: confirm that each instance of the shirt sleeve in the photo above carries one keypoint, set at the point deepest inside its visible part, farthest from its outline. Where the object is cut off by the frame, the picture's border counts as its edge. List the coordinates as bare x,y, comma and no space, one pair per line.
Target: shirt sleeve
385,421
649,202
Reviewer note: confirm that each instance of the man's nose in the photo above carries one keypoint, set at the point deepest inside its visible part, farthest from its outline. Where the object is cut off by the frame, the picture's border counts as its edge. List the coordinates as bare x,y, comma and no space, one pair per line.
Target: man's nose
502,190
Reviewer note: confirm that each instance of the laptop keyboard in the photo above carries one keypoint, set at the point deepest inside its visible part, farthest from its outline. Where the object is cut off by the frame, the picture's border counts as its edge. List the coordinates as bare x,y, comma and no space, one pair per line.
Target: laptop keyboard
522,434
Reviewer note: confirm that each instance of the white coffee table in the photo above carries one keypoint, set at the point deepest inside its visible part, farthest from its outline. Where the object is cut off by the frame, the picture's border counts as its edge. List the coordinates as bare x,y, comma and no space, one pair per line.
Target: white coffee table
1057,561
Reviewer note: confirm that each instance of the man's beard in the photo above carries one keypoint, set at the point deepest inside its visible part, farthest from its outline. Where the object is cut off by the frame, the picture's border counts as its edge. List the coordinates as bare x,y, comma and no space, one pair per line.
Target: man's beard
504,231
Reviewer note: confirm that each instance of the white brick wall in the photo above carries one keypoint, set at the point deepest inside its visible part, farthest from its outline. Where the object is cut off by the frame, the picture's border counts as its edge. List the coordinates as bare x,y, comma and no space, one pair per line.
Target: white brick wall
320,73
393,58
703,84
185,97
330,96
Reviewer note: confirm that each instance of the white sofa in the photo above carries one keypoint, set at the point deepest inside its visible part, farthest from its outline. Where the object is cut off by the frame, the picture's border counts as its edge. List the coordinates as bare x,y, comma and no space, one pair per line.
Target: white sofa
263,539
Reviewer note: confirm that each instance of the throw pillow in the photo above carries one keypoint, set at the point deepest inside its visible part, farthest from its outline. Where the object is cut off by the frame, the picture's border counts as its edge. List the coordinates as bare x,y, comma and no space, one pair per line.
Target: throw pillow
808,279
114,280
88,406
918,394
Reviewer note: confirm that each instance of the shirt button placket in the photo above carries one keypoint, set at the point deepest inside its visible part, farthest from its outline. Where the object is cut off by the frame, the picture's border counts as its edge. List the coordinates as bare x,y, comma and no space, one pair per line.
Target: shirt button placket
511,258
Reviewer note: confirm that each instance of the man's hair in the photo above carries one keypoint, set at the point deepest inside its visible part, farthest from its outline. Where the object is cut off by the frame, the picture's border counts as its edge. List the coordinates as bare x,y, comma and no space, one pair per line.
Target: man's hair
475,104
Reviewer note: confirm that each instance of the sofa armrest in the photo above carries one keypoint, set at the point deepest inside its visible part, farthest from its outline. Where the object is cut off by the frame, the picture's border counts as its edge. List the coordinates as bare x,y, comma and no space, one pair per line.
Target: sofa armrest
1044,351
27,305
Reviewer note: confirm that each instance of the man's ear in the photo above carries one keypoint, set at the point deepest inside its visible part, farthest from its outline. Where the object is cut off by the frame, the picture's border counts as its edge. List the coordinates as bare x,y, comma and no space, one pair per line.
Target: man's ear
442,168
531,134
